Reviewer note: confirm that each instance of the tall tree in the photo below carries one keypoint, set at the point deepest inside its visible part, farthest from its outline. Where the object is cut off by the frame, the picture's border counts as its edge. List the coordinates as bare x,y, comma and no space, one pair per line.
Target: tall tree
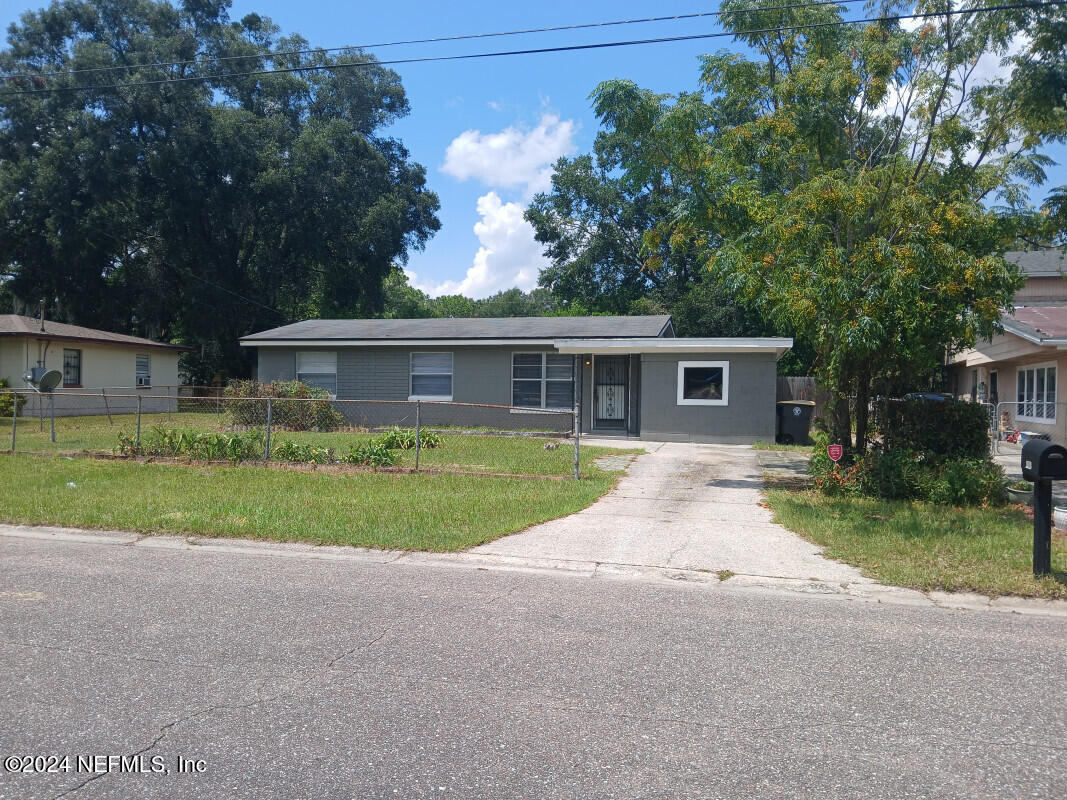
842,174
213,199
619,243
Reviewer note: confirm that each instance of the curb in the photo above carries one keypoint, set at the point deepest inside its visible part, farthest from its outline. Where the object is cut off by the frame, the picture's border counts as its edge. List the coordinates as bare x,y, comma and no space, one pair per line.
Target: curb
868,592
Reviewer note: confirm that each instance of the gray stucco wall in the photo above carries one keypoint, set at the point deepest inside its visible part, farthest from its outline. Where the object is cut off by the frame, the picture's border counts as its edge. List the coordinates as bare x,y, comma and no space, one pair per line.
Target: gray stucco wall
748,417
483,375
479,375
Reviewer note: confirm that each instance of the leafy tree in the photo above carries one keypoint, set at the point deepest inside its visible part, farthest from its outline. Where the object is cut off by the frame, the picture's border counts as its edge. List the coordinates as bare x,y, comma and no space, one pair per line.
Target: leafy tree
404,301
210,203
838,179
619,244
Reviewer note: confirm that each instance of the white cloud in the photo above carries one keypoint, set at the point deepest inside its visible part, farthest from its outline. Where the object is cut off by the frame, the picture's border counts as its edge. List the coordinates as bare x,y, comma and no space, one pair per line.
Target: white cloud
508,255
514,158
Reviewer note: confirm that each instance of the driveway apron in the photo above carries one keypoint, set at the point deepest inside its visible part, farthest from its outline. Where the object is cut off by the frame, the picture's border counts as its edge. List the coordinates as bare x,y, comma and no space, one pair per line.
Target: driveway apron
682,506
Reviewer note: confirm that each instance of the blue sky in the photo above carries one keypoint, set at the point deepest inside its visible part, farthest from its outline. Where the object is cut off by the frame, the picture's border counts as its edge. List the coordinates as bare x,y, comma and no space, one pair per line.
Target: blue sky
488,130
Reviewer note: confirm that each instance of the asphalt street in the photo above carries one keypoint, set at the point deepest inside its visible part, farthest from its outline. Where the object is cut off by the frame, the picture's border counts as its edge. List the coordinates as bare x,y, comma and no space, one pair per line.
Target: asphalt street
301,678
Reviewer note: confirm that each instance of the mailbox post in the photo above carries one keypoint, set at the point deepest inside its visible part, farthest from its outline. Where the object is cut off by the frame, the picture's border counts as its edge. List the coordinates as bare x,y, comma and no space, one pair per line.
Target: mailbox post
1042,526
1043,463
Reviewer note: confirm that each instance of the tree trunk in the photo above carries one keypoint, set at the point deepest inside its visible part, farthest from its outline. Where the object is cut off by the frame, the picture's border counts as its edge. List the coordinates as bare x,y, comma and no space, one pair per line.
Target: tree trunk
842,417
863,401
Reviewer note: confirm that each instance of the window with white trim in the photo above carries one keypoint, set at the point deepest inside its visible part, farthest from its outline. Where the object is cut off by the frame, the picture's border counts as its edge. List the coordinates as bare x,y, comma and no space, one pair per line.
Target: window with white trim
703,383
318,368
143,369
1036,393
431,376
542,380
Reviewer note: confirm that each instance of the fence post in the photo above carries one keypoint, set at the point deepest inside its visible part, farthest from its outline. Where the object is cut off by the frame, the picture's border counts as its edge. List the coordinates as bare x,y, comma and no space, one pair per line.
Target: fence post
52,413
266,447
138,424
14,421
107,408
418,432
577,430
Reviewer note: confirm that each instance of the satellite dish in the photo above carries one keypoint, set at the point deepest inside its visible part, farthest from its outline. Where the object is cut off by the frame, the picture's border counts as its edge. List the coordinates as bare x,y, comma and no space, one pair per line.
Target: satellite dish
49,381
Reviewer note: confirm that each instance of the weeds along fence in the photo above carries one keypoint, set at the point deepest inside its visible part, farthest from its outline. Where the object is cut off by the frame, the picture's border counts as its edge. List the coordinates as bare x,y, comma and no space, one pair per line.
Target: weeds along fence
421,435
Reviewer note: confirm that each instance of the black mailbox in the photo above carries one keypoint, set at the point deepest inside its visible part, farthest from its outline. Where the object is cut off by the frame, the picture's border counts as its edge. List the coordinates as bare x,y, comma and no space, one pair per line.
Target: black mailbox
1043,459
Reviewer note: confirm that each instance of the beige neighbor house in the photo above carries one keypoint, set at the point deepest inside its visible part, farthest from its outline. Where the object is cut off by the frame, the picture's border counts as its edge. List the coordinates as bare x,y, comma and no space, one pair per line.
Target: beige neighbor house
1023,370
92,361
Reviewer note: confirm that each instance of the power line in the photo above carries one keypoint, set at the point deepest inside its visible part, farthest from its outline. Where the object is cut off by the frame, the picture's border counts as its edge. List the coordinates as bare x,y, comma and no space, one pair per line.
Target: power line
544,50
432,40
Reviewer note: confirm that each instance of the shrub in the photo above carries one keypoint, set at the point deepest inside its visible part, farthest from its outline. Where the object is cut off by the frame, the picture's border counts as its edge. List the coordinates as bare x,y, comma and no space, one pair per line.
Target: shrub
909,475
303,453
892,474
372,454
294,405
161,441
397,438
430,439
951,429
7,401
966,482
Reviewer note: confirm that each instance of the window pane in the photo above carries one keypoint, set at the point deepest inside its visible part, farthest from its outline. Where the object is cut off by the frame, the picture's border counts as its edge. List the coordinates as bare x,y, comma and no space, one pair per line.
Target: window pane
560,367
316,362
431,363
559,394
321,381
431,385
526,365
702,383
529,373
526,393
1050,393
72,367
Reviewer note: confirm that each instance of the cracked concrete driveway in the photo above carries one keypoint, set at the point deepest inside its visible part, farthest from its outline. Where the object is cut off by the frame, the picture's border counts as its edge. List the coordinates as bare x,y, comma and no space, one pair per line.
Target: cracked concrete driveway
684,506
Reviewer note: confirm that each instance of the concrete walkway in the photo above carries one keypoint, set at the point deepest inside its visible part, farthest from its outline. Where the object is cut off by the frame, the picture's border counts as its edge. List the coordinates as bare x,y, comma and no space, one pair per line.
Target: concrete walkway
681,506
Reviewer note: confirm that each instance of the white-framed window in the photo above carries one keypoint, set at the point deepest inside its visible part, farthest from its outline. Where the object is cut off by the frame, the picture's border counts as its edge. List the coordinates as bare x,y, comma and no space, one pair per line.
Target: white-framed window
703,383
72,367
431,376
318,368
1035,393
542,380
143,370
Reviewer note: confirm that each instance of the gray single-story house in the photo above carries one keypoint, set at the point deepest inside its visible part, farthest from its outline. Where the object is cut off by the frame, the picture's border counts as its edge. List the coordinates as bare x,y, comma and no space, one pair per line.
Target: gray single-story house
631,376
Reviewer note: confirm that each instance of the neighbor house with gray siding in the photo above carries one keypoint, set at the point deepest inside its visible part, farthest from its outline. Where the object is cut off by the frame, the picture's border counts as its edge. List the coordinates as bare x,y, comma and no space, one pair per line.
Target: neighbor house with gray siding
631,376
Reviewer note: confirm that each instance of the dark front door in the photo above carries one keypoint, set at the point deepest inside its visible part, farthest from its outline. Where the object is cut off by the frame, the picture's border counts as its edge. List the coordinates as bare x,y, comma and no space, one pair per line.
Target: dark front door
609,391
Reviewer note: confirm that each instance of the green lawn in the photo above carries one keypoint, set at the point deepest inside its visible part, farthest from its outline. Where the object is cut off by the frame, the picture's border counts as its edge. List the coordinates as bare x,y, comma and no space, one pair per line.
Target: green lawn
804,448
923,546
459,451
441,512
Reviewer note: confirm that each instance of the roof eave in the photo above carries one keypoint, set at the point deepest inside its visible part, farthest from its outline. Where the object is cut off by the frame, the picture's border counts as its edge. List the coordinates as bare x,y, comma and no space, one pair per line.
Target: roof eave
66,338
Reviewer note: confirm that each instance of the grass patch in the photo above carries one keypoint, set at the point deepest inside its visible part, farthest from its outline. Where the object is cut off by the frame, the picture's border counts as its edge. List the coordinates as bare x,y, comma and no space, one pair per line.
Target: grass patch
410,512
925,546
468,452
797,448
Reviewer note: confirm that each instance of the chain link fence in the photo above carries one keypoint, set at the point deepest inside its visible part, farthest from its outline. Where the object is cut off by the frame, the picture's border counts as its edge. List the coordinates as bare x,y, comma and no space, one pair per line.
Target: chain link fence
1014,423
205,425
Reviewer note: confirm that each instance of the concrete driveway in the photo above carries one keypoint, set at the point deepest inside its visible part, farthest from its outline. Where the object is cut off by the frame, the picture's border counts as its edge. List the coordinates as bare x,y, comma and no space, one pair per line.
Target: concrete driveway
683,506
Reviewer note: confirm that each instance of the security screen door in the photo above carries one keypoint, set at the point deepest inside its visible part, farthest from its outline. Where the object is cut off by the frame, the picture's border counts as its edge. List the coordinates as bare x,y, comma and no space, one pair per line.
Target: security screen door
609,391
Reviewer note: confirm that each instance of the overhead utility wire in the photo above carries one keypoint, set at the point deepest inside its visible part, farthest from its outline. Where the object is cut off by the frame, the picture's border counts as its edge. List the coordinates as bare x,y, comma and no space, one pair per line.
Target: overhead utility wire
541,50
432,40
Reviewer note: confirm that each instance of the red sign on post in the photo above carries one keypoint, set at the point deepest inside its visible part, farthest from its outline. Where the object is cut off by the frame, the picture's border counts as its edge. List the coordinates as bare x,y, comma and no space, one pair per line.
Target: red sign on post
835,451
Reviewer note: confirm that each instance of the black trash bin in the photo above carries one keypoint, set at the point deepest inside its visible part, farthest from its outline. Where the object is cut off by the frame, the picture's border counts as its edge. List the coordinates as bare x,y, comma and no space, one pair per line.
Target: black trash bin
794,421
